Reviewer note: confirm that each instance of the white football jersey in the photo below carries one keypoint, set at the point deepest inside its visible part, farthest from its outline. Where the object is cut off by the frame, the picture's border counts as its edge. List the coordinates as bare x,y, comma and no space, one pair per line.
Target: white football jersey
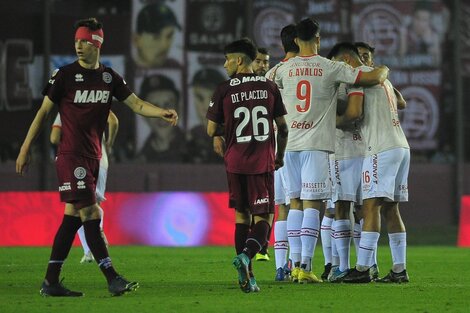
309,89
349,141
380,127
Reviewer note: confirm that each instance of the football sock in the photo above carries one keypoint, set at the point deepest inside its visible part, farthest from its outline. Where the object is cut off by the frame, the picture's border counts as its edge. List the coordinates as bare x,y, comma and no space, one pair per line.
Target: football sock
343,242
367,246
281,245
309,235
241,234
264,250
357,236
98,248
61,247
256,238
81,235
294,224
334,251
397,242
325,234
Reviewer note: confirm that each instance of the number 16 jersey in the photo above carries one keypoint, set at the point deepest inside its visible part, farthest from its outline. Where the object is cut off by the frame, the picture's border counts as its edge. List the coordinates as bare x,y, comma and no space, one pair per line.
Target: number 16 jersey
247,106
309,86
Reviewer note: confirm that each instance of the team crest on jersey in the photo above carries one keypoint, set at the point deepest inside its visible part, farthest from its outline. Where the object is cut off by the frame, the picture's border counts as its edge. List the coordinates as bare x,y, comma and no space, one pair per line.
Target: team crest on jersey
78,77
107,78
234,82
79,172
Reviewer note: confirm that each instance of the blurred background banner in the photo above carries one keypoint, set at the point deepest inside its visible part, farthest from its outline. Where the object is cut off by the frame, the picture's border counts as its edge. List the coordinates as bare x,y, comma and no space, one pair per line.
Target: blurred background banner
154,219
178,39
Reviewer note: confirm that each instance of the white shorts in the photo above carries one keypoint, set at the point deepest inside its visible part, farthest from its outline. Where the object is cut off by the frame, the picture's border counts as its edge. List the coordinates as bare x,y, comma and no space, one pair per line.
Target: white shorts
308,175
280,187
386,175
101,184
348,179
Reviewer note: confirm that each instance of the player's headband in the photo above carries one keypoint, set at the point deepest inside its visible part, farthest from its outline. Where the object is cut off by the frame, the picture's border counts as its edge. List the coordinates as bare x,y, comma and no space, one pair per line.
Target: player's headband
93,36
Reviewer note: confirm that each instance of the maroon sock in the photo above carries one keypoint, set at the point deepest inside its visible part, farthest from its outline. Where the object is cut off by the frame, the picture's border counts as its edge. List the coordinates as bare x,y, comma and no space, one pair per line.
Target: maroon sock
264,250
241,234
256,239
61,247
98,248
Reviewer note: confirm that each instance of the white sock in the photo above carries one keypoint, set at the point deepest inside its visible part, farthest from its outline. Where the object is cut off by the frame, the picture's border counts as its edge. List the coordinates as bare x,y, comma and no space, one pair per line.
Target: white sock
281,245
325,234
343,242
367,246
309,235
81,235
294,224
397,242
357,236
334,251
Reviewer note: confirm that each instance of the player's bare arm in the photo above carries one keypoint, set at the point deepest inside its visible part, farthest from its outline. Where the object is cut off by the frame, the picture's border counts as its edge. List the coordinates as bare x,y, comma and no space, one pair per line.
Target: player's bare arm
353,110
282,134
377,76
401,102
214,129
23,157
113,126
219,145
55,135
147,109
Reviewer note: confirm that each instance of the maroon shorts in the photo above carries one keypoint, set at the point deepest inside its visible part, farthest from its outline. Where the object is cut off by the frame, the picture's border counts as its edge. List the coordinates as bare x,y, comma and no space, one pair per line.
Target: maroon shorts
252,192
77,179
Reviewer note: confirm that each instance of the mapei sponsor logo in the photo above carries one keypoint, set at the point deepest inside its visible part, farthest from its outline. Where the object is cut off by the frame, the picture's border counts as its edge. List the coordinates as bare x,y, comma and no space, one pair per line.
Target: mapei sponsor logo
91,96
246,79
261,201
65,187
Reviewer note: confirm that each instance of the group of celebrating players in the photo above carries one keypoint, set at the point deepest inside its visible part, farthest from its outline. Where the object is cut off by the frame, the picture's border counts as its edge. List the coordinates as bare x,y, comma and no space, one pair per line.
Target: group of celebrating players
345,149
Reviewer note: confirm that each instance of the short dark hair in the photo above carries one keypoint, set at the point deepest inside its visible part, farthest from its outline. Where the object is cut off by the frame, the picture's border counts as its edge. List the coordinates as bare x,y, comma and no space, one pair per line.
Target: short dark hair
307,29
343,47
91,23
157,82
244,46
361,44
263,50
154,17
288,34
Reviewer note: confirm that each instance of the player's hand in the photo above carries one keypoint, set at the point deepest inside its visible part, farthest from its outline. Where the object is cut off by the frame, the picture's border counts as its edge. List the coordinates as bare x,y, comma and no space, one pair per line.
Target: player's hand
219,146
22,163
278,163
384,72
170,116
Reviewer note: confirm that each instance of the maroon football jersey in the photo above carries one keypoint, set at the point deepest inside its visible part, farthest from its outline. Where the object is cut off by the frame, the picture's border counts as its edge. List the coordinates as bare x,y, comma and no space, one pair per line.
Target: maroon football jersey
247,105
84,97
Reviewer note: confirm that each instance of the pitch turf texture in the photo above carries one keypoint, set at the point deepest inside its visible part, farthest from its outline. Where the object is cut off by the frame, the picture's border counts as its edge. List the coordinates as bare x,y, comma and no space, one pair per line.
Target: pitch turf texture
203,280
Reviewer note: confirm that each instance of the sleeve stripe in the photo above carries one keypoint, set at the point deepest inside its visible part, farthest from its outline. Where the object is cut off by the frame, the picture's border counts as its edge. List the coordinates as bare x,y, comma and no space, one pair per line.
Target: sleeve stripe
358,77
56,126
356,93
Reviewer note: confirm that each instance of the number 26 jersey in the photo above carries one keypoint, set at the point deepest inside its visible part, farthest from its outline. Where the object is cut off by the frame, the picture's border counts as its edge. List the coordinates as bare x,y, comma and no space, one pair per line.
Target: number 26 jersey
247,105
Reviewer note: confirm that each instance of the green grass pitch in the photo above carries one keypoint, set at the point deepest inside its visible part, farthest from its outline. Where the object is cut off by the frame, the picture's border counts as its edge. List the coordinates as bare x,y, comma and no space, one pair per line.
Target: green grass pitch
203,280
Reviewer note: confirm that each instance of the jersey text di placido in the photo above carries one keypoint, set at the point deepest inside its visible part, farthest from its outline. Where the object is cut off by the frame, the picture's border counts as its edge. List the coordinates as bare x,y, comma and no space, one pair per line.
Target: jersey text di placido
247,105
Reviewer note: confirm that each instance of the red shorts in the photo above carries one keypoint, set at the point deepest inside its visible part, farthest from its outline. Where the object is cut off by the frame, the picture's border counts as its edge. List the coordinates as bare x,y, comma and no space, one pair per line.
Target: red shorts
77,177
252,192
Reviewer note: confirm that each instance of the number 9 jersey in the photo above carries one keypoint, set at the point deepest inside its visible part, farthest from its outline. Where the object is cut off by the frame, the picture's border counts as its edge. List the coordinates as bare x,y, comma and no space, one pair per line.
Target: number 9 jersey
309,87
247,105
